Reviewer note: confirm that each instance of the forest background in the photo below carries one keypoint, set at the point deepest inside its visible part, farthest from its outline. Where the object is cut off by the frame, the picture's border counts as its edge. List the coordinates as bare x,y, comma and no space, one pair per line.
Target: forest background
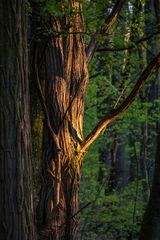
120,173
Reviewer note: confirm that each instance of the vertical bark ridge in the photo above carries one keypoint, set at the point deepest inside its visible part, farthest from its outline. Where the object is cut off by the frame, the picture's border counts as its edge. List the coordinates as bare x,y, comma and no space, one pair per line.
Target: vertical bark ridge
66,79
16,215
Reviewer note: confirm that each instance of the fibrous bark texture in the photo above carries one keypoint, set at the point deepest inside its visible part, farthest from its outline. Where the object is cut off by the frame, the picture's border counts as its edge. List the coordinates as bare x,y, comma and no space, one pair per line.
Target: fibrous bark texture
16,199
66,78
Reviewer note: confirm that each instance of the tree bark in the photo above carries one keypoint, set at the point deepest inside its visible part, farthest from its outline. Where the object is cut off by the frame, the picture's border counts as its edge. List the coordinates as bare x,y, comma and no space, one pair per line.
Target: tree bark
66,78
151,225
150,229
16,198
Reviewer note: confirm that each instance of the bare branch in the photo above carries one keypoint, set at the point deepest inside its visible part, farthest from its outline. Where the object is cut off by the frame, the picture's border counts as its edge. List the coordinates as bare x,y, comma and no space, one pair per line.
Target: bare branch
115,113
120,96
109,23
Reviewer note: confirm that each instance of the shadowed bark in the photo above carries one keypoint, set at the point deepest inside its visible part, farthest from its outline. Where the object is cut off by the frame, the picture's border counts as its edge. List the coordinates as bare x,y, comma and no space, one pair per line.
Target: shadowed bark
151,225
16,198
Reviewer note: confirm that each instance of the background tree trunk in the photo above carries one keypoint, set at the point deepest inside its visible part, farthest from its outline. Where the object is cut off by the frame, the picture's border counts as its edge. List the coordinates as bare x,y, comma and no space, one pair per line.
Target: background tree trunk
151,225
16,198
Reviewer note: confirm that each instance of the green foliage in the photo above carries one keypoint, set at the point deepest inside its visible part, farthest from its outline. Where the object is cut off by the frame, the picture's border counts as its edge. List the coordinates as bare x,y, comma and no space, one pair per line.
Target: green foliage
111,216
59,8
51,7
28,8
117,215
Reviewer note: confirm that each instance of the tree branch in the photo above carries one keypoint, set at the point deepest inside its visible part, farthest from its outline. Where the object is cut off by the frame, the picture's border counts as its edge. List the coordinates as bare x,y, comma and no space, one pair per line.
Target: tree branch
109,23
131,46
114,114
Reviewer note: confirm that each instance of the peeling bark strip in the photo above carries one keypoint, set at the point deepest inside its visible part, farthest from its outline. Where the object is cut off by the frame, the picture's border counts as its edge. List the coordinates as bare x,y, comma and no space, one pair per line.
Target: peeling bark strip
110,117
16,199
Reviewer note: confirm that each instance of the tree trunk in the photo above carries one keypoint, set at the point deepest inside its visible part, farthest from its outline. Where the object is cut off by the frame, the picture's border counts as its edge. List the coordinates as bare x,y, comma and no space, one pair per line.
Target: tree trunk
151,221
144,150
133,171
66,78
152,21
151,225
143,162
16,198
